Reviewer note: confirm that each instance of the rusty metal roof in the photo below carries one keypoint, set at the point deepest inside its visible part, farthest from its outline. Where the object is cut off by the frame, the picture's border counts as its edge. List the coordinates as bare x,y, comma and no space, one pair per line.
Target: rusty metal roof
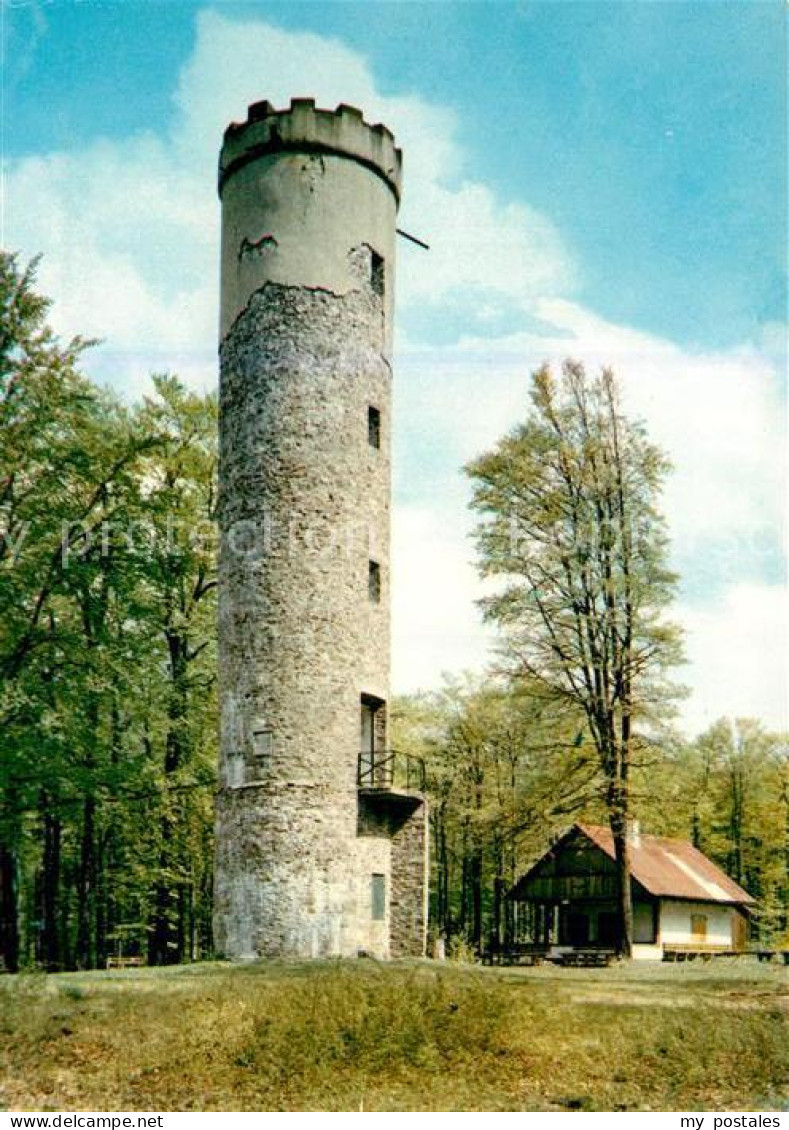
672,868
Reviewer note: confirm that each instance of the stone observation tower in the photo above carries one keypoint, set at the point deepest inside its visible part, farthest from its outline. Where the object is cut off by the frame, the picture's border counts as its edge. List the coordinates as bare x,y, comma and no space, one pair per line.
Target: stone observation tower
321,832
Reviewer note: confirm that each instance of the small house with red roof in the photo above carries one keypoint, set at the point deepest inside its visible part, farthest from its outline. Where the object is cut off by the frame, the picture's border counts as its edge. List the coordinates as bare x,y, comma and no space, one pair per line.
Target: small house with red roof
682,901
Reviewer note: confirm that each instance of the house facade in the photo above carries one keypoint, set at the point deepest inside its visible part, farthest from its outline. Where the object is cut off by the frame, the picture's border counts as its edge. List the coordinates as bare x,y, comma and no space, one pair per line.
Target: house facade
682,901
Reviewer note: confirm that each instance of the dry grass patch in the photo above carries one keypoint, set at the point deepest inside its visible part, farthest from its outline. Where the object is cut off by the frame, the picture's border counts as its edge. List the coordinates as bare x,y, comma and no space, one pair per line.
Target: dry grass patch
351,1036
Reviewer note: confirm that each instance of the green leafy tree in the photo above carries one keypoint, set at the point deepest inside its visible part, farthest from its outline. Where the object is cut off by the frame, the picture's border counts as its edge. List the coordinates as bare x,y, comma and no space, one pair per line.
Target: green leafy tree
181,490
570,520
729,792
65,448
503,773
107,709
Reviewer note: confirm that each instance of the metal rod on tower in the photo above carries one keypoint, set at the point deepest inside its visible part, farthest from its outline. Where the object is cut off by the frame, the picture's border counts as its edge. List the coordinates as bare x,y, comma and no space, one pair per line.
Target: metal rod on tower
413,239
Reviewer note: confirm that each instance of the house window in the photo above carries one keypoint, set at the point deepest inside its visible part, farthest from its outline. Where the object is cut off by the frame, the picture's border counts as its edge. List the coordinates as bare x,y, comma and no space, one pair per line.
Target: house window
379,897
698,927
374,582
645,919
374,427
377,273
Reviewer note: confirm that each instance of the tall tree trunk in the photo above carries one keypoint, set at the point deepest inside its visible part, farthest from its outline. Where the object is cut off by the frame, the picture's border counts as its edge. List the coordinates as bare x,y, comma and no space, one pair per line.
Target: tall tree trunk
206,937
9,908
785,883
498,925
100,936
86,889
182,933
619,823
51,916
191,922
167,939
475,883
465,885
160,949
444,914
736,819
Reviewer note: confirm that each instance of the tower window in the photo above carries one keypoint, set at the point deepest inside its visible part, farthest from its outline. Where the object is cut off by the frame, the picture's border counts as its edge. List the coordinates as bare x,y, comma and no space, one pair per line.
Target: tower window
379,898
259,763
377,273
374,426
375,765
374,582
373,733
368,742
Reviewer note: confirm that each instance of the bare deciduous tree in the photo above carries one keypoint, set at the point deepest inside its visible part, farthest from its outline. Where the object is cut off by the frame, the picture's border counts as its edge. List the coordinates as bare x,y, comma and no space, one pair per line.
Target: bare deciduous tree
570,518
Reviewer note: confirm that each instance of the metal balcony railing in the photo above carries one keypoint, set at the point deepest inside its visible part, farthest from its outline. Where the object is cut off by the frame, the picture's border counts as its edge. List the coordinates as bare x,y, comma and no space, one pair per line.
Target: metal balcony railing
390,769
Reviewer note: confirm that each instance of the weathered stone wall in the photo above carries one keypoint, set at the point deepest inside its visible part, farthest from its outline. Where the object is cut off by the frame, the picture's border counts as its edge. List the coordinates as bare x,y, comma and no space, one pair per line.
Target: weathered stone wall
399,819
307,281
300,189
304,505
373,854
408,930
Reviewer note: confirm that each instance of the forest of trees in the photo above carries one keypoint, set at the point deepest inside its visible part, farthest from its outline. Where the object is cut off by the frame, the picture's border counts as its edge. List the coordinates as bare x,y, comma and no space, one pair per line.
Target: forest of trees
107,609
108,711
506,776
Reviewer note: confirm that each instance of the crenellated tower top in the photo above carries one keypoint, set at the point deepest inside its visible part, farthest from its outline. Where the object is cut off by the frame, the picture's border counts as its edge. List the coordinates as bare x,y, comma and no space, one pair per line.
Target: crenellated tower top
303,128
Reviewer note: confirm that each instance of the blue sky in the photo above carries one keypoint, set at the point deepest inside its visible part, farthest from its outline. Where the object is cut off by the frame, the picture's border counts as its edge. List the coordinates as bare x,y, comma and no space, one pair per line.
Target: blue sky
665,119
601,179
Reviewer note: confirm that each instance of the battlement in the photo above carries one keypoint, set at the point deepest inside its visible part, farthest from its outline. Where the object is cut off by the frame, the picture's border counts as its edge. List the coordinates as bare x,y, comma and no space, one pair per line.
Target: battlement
304,129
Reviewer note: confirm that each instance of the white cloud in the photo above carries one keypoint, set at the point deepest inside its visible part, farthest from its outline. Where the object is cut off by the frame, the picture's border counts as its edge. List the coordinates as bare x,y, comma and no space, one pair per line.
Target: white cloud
736,644
129,232
737,647
129,227
235,63
436,625
720,417
126,236
503,250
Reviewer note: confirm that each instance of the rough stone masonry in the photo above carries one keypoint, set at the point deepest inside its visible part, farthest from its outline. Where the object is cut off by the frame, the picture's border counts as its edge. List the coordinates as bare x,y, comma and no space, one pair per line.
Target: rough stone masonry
319,851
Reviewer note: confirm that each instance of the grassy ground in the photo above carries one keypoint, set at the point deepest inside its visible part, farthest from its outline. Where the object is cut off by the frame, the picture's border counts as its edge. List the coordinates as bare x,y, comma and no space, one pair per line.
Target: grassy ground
362,1036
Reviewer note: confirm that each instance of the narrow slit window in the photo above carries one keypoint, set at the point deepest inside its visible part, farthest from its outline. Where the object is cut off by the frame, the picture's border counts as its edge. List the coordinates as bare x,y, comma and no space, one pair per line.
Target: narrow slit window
379,898
374,427
377,273
259,763
374,582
